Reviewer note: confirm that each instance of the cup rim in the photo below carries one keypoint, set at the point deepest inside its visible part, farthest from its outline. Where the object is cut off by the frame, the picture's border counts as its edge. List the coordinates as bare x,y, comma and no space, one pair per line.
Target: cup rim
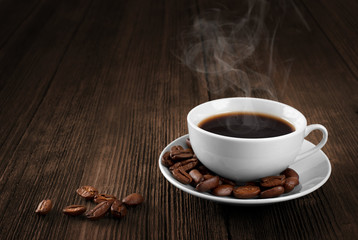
237,139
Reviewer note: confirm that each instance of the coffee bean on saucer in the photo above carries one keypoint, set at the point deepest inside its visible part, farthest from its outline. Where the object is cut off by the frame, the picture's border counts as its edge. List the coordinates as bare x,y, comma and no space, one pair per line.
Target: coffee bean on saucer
179,153
203,170
208,184
247,191
196,176
204,180
289,172
273,181
185,165
182,176
272,192
166,160
208,176
290,184
227,181
223,190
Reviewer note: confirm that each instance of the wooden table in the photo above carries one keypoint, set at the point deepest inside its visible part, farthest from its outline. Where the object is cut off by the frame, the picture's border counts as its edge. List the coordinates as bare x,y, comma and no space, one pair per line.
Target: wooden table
92,91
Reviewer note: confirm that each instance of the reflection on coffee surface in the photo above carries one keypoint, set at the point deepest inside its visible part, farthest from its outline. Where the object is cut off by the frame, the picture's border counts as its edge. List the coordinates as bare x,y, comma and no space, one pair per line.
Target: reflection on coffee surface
246,125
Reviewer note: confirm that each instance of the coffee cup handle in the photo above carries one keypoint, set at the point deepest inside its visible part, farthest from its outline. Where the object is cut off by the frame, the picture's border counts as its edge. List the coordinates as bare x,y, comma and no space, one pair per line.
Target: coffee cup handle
323,141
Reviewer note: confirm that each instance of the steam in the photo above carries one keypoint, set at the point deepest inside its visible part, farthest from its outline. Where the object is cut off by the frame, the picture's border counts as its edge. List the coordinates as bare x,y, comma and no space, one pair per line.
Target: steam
226,52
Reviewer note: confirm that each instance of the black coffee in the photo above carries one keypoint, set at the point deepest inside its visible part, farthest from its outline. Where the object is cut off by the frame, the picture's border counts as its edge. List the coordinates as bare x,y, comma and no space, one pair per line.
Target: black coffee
246,125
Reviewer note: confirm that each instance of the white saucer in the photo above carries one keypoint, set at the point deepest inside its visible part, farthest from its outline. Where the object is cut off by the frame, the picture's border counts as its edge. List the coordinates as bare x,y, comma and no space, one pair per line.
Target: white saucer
314,171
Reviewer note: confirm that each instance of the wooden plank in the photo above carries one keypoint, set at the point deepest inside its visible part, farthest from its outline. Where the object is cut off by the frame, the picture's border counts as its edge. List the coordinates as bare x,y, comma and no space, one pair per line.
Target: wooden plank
29,60
338,20
12,15
28,63
98,124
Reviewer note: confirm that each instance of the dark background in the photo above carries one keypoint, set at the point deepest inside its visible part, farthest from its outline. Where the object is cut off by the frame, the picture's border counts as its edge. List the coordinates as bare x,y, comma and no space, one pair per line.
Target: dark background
92,91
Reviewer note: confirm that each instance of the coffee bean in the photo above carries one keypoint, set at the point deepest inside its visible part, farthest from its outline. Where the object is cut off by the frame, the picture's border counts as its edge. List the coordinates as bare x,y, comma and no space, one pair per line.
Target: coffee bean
252,183
223,190
103,197
133,199
272,192
74,210
99,211
227,181
273,181
166,160
203,170
176,150
289,172
208,176
186,165
290,184
196,176
87,192
179,163
118,209
179,153
182,176
44,207
208,184
246,192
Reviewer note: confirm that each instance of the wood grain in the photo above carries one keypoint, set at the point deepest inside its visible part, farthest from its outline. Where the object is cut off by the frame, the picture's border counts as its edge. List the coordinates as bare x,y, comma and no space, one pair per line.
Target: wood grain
92,91
337,20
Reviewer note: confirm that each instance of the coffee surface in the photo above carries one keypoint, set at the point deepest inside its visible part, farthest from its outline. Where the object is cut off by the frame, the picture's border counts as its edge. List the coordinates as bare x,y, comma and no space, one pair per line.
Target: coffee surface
246,125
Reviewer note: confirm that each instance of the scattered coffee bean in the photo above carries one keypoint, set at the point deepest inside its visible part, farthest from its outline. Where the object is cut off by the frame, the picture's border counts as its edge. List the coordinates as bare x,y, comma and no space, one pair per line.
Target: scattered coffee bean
182,176
223,190
99,211
44,207
196,176
272,192
133,199
87,192
208,184
289,172
106,203
246,192
290,184
103,197
74,210
273,181
118,209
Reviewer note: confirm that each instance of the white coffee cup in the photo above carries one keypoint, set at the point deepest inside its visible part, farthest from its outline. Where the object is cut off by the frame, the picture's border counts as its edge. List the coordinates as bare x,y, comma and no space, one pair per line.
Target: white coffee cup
247,159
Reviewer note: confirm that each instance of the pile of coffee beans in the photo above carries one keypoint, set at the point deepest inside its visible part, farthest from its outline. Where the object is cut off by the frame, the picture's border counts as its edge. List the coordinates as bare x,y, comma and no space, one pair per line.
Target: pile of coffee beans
105,203
187,169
